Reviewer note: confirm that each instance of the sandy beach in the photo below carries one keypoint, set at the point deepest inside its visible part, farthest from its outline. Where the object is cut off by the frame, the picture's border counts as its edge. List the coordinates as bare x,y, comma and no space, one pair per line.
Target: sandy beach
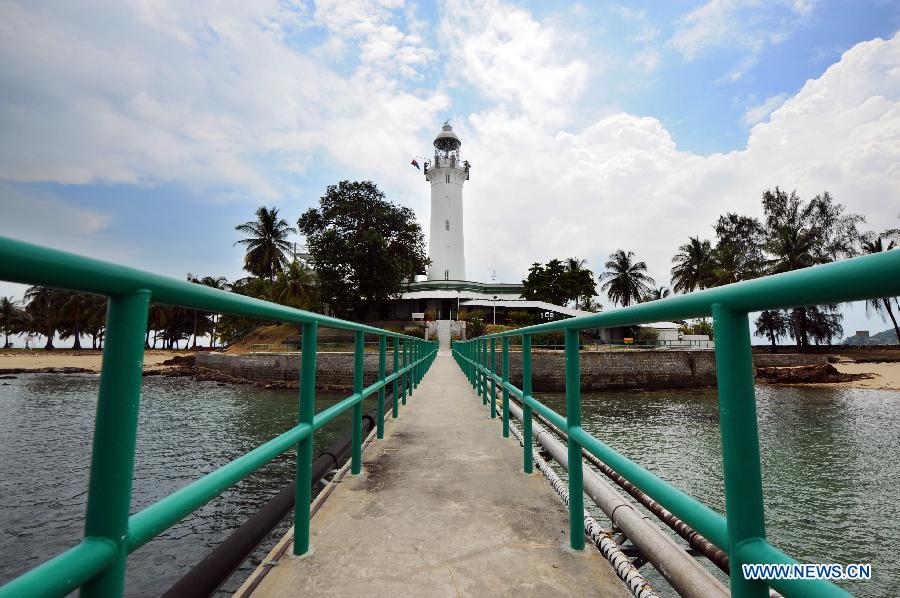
88,360
885,375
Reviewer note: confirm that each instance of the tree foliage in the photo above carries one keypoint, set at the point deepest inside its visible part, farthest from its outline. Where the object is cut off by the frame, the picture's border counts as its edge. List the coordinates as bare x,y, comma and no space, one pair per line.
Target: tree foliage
267,244
626,281
363,247
560,282
792,235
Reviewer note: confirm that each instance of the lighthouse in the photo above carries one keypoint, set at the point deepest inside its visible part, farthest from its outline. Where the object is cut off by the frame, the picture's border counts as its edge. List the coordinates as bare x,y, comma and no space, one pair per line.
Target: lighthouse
447,174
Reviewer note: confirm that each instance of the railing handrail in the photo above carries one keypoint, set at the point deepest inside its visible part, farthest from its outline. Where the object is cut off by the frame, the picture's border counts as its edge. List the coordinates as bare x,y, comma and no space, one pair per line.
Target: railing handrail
31,264
741,532
97,564
852,279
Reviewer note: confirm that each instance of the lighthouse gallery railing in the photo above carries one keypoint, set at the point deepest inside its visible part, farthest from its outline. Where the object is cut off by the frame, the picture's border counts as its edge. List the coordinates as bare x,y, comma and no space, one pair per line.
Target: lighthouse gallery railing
742,531
97,564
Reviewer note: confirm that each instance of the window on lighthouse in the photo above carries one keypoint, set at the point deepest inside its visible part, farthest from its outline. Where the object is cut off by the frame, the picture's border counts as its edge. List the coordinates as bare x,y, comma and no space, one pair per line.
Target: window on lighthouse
448,178
446,225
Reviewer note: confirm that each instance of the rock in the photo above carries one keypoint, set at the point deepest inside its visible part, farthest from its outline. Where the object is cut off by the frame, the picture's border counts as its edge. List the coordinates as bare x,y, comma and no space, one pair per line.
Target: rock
806,374
8,377
181,360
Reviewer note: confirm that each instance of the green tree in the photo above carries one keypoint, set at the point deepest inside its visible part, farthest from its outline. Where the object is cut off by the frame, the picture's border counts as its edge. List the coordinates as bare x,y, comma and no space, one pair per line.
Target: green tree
872,243
11,318
738,254
773,324
363,247
560,282
296,286
43,312
626,279
267,245
693,266
802,234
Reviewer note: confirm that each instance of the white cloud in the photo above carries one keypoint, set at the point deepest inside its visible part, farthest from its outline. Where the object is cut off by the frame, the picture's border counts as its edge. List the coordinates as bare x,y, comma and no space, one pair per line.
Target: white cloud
538,192
760,112
203,94
501,51
211,97
646,60
737,24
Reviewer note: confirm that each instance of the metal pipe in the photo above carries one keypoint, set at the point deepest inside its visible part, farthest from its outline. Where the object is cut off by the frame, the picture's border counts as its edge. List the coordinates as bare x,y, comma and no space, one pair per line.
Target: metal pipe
696,540
625,570
687,576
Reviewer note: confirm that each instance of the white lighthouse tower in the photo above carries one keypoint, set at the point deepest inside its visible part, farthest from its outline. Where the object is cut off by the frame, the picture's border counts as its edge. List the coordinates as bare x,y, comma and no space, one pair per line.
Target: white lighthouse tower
447,175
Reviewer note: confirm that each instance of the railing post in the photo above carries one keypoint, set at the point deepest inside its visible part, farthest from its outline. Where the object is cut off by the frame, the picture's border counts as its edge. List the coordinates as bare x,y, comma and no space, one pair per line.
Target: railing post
405,377
505,378
382,374
740,442
491,359
303,478
115,431
411,378
528,464
418,369
482,377
473,356
395,410
573,420
358,365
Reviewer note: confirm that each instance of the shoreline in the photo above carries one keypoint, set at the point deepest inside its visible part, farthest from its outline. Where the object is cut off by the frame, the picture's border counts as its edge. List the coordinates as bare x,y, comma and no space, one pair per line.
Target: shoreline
878,375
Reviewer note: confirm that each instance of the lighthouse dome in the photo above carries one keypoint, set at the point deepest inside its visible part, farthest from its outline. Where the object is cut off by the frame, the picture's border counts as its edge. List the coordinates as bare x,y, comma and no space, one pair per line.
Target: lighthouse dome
447,140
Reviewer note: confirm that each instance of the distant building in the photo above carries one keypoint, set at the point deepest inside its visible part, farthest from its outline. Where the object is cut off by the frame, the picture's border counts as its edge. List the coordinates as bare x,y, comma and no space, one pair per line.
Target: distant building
445,292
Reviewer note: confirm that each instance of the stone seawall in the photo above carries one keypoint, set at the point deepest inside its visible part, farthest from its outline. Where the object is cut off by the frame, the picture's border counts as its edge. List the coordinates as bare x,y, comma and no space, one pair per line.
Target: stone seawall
334,371
600,370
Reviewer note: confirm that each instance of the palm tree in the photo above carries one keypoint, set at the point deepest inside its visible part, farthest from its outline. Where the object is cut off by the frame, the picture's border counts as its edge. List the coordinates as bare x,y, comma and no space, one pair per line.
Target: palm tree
296,286
267,244
73,310
872,243
11,317
626,281
43,312
772,324
693,267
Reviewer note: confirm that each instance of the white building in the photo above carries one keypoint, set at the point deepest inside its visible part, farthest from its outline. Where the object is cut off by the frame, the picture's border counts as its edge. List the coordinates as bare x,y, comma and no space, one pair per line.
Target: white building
447,174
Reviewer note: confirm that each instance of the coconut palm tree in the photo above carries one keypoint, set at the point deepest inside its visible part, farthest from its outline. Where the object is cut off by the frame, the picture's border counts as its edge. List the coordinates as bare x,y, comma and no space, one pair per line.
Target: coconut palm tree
296,286
693,267
11,318
626,281
43,310
267,244
872,243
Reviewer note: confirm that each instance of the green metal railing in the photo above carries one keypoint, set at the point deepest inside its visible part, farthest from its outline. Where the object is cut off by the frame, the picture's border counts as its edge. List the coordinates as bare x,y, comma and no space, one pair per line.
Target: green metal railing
97,564
742,531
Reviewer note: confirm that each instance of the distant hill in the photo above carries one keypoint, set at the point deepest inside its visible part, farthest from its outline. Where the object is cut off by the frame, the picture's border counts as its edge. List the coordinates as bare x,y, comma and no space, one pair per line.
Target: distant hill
888,337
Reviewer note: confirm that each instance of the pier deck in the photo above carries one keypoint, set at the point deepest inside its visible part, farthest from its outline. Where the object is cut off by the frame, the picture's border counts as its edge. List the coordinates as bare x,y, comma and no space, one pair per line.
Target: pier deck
442,508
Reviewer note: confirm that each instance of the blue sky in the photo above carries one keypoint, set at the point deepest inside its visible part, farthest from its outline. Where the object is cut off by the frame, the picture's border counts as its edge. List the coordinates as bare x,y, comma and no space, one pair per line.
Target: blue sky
143,133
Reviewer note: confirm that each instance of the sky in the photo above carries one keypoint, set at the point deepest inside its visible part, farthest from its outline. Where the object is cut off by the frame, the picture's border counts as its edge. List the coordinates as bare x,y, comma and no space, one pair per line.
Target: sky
143,132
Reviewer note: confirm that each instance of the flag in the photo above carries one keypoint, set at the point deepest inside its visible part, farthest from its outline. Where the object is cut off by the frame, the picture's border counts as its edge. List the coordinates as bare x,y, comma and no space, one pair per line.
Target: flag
416,164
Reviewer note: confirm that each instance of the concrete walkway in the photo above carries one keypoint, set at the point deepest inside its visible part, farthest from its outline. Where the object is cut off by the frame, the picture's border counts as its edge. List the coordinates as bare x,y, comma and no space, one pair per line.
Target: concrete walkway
442,508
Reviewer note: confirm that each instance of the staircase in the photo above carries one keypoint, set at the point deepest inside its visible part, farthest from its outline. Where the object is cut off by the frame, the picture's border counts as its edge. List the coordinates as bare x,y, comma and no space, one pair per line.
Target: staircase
443,334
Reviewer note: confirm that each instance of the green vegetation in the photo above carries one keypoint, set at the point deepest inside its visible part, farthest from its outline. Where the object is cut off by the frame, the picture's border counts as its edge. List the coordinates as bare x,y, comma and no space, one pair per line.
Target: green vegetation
268,243
626,281
560,282
364,247
793,234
